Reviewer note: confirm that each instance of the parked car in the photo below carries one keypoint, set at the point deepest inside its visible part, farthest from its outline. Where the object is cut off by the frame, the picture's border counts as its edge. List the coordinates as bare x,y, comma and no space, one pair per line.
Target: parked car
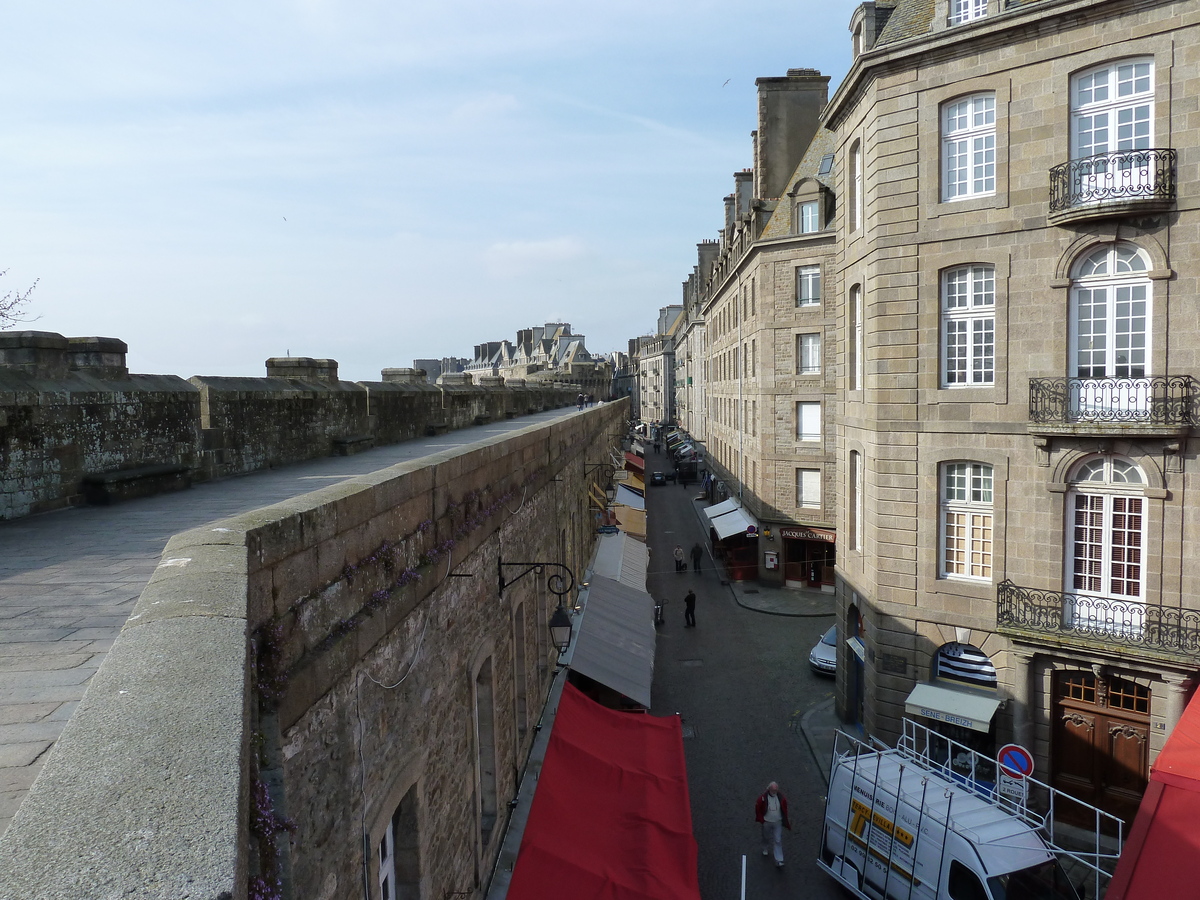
658,479
823,657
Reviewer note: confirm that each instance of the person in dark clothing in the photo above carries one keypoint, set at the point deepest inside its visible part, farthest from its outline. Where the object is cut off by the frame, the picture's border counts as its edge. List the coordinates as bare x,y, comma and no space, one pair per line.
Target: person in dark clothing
689,610
697,555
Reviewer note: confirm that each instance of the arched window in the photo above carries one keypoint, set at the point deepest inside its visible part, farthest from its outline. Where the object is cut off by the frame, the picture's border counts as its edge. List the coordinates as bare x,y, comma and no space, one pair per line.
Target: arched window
1110,318
1106,536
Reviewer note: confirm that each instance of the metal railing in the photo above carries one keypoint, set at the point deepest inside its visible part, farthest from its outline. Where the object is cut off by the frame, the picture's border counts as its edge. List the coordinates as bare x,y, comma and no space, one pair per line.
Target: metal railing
1108,620
1159,400
1121,176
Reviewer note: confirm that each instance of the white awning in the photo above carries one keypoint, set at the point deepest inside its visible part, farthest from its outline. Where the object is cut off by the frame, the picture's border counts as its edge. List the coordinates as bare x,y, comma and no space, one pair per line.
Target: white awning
735,522
627,497
954,706
721,508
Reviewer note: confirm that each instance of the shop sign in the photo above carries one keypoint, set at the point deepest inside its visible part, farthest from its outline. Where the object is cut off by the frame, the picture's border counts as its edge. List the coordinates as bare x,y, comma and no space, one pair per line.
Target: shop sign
808,534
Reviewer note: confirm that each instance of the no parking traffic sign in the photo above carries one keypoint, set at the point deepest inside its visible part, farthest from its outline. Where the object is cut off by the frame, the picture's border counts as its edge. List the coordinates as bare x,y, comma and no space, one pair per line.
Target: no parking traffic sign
1015,760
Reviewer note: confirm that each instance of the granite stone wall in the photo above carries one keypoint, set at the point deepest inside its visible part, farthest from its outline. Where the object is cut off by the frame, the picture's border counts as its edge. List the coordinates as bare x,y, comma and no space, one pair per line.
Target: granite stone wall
296,679
76,426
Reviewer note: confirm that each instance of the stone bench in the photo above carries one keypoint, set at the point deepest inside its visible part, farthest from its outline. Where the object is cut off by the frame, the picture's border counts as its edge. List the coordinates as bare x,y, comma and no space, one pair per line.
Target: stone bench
103,488
355,443
436,428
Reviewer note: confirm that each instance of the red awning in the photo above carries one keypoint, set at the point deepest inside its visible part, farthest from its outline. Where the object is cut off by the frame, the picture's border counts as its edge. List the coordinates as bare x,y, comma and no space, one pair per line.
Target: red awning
634,463
1164,843
611,818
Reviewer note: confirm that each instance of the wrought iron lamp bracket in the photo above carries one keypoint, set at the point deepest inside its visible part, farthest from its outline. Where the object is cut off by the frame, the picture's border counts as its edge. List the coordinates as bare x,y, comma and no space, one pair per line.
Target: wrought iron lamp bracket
558,583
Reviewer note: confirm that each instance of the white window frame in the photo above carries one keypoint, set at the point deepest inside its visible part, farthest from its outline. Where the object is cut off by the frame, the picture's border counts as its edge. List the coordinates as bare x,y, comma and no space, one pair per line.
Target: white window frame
967,533
808,420
968,345
1112,288
963,11
1112,108
1106,493
808,354
808,488
810,217
856,186
969,147
808,286
386,857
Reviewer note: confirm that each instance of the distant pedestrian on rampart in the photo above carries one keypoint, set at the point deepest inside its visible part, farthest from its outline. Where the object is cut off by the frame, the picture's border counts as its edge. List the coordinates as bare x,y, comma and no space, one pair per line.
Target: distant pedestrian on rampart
770,811
689,610
579,401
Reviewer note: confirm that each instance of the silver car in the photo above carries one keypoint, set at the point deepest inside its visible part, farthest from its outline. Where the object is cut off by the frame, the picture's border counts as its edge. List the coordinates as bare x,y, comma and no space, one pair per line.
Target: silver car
823,657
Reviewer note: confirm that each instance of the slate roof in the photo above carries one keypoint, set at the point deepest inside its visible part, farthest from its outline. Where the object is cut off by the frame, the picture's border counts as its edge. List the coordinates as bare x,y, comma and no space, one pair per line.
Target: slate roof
823,143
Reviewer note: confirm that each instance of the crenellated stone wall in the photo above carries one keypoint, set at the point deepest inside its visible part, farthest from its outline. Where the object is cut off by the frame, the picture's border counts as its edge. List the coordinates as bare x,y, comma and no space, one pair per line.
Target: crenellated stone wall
295,679
76,426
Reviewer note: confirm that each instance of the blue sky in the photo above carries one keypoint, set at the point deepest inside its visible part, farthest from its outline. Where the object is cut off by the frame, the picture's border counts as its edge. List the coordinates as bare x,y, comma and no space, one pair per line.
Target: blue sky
217,183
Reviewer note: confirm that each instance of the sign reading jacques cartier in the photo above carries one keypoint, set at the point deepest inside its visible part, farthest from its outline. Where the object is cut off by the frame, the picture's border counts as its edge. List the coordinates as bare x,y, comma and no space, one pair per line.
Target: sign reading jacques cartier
808,534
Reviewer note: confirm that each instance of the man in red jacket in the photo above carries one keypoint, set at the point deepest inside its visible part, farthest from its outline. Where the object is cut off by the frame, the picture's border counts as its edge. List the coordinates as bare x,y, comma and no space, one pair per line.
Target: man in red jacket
770,810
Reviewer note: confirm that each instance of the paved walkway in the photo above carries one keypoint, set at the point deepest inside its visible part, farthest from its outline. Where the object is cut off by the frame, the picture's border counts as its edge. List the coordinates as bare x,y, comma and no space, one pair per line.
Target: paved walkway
69,579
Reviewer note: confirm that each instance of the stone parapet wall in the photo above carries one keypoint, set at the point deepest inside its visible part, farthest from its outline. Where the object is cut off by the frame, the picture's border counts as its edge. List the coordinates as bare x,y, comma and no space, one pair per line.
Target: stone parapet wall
293,679
69,410
55,432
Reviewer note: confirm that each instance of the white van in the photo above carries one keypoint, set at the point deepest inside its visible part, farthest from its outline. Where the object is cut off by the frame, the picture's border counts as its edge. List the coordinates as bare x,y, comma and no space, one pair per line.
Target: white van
899,825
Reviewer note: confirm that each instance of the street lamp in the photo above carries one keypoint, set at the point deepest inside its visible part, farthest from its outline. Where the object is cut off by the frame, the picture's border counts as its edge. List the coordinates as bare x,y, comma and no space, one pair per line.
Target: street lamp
560,629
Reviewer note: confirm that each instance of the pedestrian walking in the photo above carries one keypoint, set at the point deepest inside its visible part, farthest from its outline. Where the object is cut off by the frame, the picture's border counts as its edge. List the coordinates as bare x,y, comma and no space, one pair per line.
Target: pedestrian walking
579,401
697,555
689,610
680,564
770,811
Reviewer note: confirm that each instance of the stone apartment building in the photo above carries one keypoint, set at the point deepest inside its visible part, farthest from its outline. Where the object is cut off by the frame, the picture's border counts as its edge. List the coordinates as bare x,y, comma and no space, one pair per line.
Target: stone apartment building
1016,273
758,357
656,368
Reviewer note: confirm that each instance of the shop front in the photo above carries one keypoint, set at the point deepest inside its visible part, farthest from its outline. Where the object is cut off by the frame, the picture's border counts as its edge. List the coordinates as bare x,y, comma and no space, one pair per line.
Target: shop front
809,555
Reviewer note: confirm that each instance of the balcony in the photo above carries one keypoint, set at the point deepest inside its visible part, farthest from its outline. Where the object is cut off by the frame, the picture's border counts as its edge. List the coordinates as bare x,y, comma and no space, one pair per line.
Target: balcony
1128,182
1097,622
1165,405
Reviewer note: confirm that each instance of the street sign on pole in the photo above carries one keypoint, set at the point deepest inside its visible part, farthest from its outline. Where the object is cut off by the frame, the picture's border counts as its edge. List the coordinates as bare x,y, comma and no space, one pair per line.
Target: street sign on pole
1015,761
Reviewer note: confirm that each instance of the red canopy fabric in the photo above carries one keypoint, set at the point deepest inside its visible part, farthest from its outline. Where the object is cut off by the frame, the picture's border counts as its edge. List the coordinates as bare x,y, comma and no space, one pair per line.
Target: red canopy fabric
1159,859
611,819
636,462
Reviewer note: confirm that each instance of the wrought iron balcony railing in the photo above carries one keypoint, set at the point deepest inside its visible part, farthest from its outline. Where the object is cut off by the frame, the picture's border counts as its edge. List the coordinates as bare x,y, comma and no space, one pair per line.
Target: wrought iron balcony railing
1170,400
1123,623
1113,177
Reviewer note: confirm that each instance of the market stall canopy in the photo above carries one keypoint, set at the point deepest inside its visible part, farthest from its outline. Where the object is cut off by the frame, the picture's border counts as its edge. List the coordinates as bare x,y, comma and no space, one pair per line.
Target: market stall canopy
614,644
619,779
622,559
629,497
634,462
971,709
1164,843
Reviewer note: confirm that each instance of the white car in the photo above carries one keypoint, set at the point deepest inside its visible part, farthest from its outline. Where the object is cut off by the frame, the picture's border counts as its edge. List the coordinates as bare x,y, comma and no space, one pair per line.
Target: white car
823,657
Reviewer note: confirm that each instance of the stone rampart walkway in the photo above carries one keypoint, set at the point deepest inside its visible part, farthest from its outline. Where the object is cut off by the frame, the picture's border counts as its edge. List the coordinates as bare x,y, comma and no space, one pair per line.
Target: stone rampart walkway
69,579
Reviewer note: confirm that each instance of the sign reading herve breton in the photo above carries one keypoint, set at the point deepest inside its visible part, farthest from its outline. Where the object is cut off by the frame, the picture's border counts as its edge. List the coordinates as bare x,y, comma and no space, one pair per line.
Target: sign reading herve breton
808,534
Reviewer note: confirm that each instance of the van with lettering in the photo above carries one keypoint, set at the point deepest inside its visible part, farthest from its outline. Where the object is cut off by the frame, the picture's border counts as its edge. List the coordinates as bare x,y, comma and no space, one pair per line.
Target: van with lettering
933,820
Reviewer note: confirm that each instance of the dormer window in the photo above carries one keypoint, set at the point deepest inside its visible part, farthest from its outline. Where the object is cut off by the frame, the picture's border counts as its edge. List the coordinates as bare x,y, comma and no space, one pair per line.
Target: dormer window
962,11
810,217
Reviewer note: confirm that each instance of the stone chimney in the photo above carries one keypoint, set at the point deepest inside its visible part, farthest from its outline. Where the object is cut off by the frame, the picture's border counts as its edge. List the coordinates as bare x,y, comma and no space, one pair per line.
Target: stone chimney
302,367
42,354
99,356
789,111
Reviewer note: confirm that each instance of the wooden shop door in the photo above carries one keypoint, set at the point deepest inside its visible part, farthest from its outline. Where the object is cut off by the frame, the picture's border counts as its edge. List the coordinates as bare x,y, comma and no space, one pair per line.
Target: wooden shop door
1100,741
